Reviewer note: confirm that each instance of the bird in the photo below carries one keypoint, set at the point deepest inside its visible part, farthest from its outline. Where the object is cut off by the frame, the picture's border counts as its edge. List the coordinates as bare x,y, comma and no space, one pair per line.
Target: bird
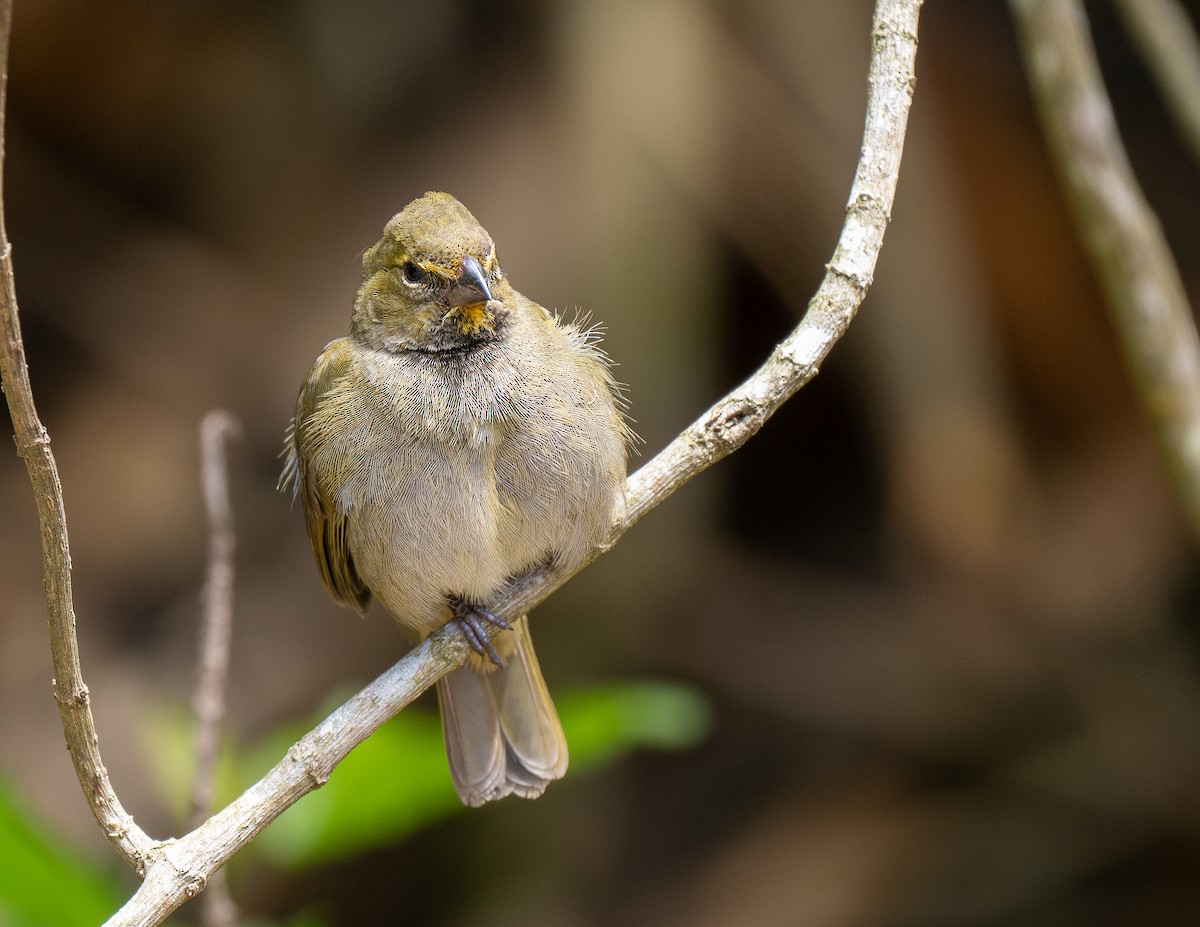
462,435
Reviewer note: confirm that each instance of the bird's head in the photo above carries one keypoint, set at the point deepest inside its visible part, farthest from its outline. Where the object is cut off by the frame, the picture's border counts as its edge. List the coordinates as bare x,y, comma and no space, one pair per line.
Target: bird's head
431,283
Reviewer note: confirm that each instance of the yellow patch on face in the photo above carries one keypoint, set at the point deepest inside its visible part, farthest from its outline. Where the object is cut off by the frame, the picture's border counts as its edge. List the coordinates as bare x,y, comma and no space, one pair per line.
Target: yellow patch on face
438,270
474,318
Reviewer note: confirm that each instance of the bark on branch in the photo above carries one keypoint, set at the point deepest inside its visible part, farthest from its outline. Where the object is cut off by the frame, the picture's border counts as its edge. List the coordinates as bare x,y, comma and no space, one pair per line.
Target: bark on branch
33,444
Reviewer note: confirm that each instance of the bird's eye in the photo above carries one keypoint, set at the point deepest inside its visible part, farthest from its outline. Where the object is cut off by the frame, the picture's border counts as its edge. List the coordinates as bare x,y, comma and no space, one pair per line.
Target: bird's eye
412,273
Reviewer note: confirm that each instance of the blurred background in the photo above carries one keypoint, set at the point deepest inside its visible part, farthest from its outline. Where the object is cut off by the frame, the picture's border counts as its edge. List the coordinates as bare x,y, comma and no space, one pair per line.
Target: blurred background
923,653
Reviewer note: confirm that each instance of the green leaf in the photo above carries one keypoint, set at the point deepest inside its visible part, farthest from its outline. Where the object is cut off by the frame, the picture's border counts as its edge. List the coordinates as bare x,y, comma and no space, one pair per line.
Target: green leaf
43,884
605,722
397,780
393,783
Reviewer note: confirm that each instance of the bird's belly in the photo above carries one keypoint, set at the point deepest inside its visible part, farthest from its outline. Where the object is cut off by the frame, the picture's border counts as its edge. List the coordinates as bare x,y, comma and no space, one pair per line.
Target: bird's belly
438,528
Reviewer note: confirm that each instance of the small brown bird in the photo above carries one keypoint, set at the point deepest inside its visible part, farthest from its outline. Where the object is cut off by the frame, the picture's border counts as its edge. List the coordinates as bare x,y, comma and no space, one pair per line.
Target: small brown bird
460,436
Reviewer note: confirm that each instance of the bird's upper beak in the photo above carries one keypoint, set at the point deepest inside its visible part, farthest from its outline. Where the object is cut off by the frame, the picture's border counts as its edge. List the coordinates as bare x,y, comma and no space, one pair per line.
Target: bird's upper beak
470,286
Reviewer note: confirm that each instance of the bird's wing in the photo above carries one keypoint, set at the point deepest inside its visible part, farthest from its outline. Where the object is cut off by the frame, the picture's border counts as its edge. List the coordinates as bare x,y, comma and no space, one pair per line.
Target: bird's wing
327,521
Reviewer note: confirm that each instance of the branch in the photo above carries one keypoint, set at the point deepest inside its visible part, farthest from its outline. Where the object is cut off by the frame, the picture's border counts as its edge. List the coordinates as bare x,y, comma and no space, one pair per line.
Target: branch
33,444
217,614
217,620
189,861
1141,282
1166,38
178,869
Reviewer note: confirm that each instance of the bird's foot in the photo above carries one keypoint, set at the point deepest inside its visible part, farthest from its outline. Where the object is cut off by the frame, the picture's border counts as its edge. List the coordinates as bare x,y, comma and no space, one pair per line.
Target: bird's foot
474,619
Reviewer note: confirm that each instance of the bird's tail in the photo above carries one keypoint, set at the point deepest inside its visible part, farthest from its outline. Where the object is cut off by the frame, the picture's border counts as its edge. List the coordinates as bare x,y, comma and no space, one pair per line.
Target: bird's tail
502,733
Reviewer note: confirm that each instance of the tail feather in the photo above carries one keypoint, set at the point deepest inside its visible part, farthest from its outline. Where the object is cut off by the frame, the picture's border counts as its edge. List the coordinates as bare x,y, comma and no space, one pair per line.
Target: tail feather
474,747
502,733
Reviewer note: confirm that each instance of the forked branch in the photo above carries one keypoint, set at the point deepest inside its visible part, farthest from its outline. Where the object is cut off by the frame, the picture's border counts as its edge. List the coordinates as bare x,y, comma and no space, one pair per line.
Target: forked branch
178,869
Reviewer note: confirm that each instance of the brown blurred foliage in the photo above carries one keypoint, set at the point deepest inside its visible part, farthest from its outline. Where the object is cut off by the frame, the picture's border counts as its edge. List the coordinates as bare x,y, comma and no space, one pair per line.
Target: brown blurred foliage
944,604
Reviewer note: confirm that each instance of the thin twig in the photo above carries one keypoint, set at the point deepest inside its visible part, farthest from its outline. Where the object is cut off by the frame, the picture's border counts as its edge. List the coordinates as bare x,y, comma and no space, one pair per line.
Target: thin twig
216,622
33,444
217,614
1166,38
1121,233
188,862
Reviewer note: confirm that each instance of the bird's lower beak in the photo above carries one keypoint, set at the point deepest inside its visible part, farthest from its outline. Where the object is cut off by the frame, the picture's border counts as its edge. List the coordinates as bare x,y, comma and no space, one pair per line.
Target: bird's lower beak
470,286
471,304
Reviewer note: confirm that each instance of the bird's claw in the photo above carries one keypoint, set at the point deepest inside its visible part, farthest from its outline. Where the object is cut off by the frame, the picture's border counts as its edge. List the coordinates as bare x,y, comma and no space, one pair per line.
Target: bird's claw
473,620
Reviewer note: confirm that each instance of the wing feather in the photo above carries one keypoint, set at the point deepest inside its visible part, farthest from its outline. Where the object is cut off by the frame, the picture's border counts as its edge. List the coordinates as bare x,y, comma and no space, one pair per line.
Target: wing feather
327,521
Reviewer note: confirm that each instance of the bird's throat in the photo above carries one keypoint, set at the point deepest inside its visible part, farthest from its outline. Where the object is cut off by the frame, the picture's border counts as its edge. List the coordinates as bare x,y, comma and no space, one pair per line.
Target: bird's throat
474,319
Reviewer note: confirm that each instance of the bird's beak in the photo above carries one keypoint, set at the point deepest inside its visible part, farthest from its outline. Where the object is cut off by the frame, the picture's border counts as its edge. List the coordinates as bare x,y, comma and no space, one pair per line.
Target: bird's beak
470,286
